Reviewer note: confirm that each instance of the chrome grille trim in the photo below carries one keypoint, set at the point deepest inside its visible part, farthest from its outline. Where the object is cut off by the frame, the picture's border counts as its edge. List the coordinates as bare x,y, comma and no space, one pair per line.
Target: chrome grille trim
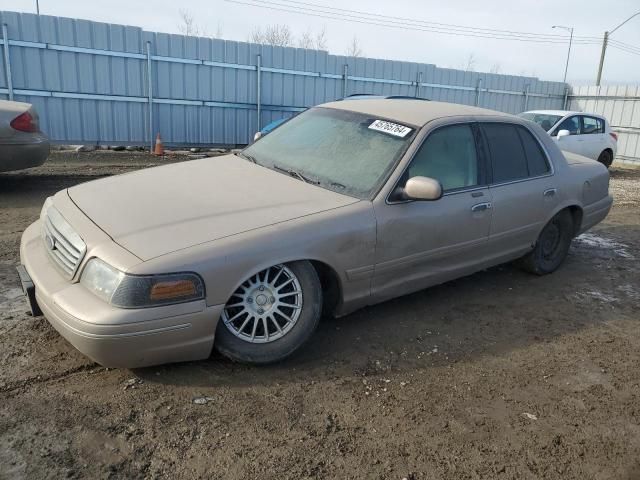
69,248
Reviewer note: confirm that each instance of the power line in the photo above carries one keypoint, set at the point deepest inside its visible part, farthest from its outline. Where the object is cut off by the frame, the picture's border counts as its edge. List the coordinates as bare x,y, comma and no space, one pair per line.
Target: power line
623,45
404,25
624,49
426,23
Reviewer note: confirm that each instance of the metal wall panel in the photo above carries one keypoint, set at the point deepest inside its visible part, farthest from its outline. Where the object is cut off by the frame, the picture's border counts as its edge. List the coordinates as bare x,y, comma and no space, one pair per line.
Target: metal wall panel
89,82
620,104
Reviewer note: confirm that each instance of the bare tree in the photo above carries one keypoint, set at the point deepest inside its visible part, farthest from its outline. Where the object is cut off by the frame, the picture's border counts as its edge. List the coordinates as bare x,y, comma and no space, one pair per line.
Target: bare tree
321,40
471,63
495,68
309,40
188,25
306,40
275,35
354,50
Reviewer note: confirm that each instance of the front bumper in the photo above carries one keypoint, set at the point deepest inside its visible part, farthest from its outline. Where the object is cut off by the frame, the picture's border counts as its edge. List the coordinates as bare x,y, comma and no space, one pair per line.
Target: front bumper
111,336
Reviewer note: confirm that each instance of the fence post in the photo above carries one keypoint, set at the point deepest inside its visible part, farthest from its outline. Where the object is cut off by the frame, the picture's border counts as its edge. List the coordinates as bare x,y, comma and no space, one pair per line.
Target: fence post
418,82
526,97
258,89
478,83
150,94
7,60
345,78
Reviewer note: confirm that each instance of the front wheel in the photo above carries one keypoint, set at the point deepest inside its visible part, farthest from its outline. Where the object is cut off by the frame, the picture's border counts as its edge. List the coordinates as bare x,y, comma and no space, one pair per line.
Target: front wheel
271,315
552,245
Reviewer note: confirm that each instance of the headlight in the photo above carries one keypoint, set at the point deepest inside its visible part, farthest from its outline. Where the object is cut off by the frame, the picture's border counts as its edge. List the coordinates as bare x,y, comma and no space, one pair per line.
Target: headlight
139,291
47,203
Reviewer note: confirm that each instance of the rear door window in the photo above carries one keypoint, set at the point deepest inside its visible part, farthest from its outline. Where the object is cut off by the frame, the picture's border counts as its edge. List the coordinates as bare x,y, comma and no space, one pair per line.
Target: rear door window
508,159
592,125
536,159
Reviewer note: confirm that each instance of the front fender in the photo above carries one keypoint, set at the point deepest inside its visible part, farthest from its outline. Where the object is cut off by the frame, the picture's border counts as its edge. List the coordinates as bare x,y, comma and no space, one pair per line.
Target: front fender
343,239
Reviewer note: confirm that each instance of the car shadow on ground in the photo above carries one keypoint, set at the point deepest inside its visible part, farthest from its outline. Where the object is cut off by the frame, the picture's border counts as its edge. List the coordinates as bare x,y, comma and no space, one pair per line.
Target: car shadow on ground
490,313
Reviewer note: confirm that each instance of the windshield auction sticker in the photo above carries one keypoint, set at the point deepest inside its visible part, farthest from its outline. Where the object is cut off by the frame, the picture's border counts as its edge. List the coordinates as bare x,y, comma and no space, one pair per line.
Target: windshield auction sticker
390,128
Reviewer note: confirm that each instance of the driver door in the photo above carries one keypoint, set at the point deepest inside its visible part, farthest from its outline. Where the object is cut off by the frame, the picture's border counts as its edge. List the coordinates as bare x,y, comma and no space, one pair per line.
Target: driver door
573,142
422,243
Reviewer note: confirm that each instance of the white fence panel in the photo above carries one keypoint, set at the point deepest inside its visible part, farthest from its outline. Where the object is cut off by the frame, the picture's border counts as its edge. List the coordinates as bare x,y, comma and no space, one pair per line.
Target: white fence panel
620,104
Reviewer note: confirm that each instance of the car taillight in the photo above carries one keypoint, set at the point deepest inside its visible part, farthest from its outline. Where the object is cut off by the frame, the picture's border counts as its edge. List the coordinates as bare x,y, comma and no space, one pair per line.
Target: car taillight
24,123
614,136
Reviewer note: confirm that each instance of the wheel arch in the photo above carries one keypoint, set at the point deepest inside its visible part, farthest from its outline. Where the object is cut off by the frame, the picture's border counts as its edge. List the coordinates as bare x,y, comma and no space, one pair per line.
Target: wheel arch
576,215
330,281
331,286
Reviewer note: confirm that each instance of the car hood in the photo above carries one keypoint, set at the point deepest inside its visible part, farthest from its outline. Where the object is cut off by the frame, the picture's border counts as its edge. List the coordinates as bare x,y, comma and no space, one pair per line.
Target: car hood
160,210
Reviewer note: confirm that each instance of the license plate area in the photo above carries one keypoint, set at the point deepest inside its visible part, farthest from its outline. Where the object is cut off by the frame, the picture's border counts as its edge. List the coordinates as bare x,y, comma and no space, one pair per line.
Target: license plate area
29,290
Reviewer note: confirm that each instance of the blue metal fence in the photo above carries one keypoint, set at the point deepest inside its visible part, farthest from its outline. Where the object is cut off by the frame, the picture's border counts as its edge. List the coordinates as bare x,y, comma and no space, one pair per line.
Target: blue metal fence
97,83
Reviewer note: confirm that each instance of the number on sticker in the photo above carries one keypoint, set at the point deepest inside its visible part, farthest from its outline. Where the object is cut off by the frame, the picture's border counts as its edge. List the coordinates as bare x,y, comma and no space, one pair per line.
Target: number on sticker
391,128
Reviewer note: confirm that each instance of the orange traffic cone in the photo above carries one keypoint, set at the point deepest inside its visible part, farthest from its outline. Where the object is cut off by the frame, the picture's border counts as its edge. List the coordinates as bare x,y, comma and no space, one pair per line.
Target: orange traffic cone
159,150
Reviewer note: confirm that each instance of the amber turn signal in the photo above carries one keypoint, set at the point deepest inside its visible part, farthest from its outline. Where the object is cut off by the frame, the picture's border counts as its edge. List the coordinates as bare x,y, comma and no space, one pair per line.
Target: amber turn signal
168,290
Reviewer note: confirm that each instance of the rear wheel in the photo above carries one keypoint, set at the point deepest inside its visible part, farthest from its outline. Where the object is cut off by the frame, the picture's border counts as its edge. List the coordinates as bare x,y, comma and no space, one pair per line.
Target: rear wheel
606,158
271,315
552,245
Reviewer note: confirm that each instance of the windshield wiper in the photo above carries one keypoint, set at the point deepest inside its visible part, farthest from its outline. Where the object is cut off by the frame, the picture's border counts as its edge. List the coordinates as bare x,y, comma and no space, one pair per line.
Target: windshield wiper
296,174
246,157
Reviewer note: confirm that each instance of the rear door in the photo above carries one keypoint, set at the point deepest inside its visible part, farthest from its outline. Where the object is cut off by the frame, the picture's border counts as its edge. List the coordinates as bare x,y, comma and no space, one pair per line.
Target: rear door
425,242
573,142
593,136
522,187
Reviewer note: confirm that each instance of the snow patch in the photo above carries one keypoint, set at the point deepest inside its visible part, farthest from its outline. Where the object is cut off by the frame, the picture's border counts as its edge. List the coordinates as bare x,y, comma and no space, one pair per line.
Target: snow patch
600,296
591,240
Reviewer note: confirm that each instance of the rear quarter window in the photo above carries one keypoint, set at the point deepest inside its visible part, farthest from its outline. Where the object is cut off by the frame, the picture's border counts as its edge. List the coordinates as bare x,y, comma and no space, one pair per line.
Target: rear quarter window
591,125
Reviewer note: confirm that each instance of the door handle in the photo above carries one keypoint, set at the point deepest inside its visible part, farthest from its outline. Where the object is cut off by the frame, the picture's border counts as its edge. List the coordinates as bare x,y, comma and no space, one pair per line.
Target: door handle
480,207
550,192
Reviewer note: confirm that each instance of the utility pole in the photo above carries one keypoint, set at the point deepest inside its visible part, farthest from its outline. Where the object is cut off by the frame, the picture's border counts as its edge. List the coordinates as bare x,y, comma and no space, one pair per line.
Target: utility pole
566,66
605,41
38,7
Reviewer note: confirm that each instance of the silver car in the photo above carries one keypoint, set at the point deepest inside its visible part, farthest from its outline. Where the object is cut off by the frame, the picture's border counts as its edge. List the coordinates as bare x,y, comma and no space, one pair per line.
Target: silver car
22,144
346,205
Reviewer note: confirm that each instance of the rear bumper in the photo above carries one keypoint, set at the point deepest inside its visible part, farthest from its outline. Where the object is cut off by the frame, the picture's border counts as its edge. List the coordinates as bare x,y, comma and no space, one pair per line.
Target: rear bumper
595,213
23,155
111,336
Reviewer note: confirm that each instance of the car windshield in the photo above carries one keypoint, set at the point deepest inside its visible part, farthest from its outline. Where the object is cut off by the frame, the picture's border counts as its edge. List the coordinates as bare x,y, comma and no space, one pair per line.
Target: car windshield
545,120
347,152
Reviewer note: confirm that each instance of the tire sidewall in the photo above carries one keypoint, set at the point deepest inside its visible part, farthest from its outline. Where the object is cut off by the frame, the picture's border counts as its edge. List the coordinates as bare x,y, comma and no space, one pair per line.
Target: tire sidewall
263,353
565,224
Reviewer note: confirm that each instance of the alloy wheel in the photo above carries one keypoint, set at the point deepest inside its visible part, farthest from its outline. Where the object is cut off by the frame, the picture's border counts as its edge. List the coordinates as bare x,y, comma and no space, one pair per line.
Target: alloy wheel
265,307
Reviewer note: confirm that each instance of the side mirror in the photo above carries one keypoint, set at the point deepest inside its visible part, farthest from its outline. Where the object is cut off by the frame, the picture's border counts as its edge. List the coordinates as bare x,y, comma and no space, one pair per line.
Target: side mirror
563,133
257,136
422,188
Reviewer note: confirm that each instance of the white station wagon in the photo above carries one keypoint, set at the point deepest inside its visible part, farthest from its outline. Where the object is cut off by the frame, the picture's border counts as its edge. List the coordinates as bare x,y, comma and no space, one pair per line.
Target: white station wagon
586,134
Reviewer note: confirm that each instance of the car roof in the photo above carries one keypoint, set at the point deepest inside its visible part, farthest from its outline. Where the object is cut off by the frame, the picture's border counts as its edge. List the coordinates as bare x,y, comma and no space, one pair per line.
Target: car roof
414,112
560,113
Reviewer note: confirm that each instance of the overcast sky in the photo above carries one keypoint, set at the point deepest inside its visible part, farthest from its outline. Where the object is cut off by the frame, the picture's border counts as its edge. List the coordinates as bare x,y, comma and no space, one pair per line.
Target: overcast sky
546,61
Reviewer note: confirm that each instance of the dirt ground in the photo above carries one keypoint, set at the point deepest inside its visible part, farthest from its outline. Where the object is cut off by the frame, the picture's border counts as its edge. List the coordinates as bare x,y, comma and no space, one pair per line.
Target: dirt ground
498,375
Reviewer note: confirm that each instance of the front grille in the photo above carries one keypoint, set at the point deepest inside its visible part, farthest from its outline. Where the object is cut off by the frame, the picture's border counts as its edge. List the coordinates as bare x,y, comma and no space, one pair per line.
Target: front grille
63,244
